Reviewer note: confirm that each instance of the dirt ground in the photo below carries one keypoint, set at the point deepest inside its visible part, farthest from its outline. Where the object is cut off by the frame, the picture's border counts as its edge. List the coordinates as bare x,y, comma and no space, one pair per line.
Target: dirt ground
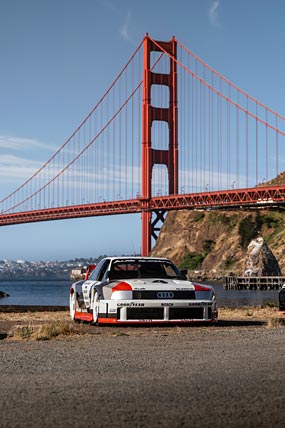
29,314
13,318
227,375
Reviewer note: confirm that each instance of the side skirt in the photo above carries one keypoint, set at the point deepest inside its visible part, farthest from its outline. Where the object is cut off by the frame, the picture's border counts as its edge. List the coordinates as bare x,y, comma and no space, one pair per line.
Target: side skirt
83,316
147,322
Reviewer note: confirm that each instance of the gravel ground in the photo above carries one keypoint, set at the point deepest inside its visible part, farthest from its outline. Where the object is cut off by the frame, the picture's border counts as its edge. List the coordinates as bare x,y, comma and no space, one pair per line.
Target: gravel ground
221,376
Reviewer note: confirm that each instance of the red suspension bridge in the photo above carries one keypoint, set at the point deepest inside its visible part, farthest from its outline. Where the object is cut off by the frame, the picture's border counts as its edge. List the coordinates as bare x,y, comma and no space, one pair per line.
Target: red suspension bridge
170,133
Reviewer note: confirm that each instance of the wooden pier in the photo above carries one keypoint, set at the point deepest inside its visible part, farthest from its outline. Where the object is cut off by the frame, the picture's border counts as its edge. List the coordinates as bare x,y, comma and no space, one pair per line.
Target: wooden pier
253,282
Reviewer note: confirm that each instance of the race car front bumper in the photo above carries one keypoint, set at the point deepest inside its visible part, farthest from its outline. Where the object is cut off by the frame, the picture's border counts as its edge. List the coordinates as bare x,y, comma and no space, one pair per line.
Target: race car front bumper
146,311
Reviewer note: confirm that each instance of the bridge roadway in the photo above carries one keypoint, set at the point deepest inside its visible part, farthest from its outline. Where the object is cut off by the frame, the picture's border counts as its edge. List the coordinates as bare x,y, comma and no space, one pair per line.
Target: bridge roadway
254,198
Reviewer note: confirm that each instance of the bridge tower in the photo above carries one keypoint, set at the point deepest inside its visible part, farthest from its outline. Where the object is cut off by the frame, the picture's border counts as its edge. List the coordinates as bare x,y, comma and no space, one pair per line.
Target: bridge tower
150,155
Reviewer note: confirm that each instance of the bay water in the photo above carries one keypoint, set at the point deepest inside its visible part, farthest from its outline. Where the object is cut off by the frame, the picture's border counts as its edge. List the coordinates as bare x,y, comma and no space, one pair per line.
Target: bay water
36,293
56,293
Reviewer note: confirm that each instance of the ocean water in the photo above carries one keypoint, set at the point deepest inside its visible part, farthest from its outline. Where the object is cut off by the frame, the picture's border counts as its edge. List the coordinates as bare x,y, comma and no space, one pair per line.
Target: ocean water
56,293
36,293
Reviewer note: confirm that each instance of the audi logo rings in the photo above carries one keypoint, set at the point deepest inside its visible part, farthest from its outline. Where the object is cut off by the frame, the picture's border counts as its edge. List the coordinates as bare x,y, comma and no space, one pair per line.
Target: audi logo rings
165,295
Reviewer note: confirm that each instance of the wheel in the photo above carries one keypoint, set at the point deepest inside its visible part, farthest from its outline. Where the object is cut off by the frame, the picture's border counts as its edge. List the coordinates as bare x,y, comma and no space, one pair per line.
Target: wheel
95,309
72,305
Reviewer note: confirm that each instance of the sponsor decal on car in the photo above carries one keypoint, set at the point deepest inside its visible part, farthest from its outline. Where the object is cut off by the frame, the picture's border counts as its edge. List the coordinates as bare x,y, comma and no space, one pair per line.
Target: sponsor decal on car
200,304
130,304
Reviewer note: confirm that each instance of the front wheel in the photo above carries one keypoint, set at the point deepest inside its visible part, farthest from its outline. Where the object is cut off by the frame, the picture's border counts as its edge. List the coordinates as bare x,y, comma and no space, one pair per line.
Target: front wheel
95,309
72,305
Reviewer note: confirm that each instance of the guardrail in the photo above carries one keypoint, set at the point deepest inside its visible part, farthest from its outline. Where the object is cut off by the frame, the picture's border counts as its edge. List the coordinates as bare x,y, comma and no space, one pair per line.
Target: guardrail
253,282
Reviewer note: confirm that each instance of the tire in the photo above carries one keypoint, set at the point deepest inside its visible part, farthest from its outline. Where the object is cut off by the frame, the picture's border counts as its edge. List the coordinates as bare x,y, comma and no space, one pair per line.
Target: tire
95,309
72,305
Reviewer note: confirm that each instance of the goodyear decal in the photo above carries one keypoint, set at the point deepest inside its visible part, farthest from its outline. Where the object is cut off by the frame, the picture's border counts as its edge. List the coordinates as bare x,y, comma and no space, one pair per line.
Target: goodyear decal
131,304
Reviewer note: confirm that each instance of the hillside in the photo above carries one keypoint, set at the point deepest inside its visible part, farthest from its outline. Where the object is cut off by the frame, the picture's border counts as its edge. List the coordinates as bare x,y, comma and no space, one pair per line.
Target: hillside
216,241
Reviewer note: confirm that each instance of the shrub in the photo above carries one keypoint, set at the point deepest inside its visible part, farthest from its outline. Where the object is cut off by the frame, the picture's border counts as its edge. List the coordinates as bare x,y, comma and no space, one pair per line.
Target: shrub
269,305
55,329
208,245
229,262
45,331
248,230
24,332
219,218
269,220
192,261
275,323
199,216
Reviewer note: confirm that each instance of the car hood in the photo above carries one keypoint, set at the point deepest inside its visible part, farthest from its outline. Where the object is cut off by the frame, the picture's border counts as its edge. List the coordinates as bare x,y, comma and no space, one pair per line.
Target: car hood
163,283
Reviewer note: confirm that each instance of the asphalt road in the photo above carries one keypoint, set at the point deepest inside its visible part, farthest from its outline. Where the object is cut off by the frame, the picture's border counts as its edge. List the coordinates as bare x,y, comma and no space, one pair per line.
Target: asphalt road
146,377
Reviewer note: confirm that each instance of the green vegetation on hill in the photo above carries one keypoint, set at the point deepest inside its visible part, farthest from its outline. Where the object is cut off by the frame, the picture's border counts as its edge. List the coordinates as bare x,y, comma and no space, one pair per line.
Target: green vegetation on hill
192,261
217,241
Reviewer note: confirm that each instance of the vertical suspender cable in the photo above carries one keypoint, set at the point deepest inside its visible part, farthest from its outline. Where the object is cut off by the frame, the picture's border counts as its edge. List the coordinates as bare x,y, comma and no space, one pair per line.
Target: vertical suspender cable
221,138
277,148
256,145
192,132
132,136
200,137
246,142
126,138
237,141
266,147
187,102
196,131
204,133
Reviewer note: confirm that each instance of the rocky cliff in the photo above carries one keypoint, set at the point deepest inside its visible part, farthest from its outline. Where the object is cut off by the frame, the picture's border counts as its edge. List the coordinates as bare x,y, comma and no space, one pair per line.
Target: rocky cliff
259,260
216,242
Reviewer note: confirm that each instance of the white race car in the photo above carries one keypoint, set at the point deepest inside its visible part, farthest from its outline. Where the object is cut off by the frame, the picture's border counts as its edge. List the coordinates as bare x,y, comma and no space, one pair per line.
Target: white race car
137,290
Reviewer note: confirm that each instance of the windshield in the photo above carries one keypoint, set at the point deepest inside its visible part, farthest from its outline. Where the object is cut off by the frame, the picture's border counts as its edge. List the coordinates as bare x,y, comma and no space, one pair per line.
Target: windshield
131,269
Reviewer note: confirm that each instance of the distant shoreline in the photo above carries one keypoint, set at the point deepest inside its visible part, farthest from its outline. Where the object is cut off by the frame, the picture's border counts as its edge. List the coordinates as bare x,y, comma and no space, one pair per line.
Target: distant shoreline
27,308
33,279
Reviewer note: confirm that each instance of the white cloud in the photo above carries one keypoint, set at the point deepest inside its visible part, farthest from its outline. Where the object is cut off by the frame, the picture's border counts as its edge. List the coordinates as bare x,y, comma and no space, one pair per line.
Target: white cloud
16,143
125,28
13,168
213,13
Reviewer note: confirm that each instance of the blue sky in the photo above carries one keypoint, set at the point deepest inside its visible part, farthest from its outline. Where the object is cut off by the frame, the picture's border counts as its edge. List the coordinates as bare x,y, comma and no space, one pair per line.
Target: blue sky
59,56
